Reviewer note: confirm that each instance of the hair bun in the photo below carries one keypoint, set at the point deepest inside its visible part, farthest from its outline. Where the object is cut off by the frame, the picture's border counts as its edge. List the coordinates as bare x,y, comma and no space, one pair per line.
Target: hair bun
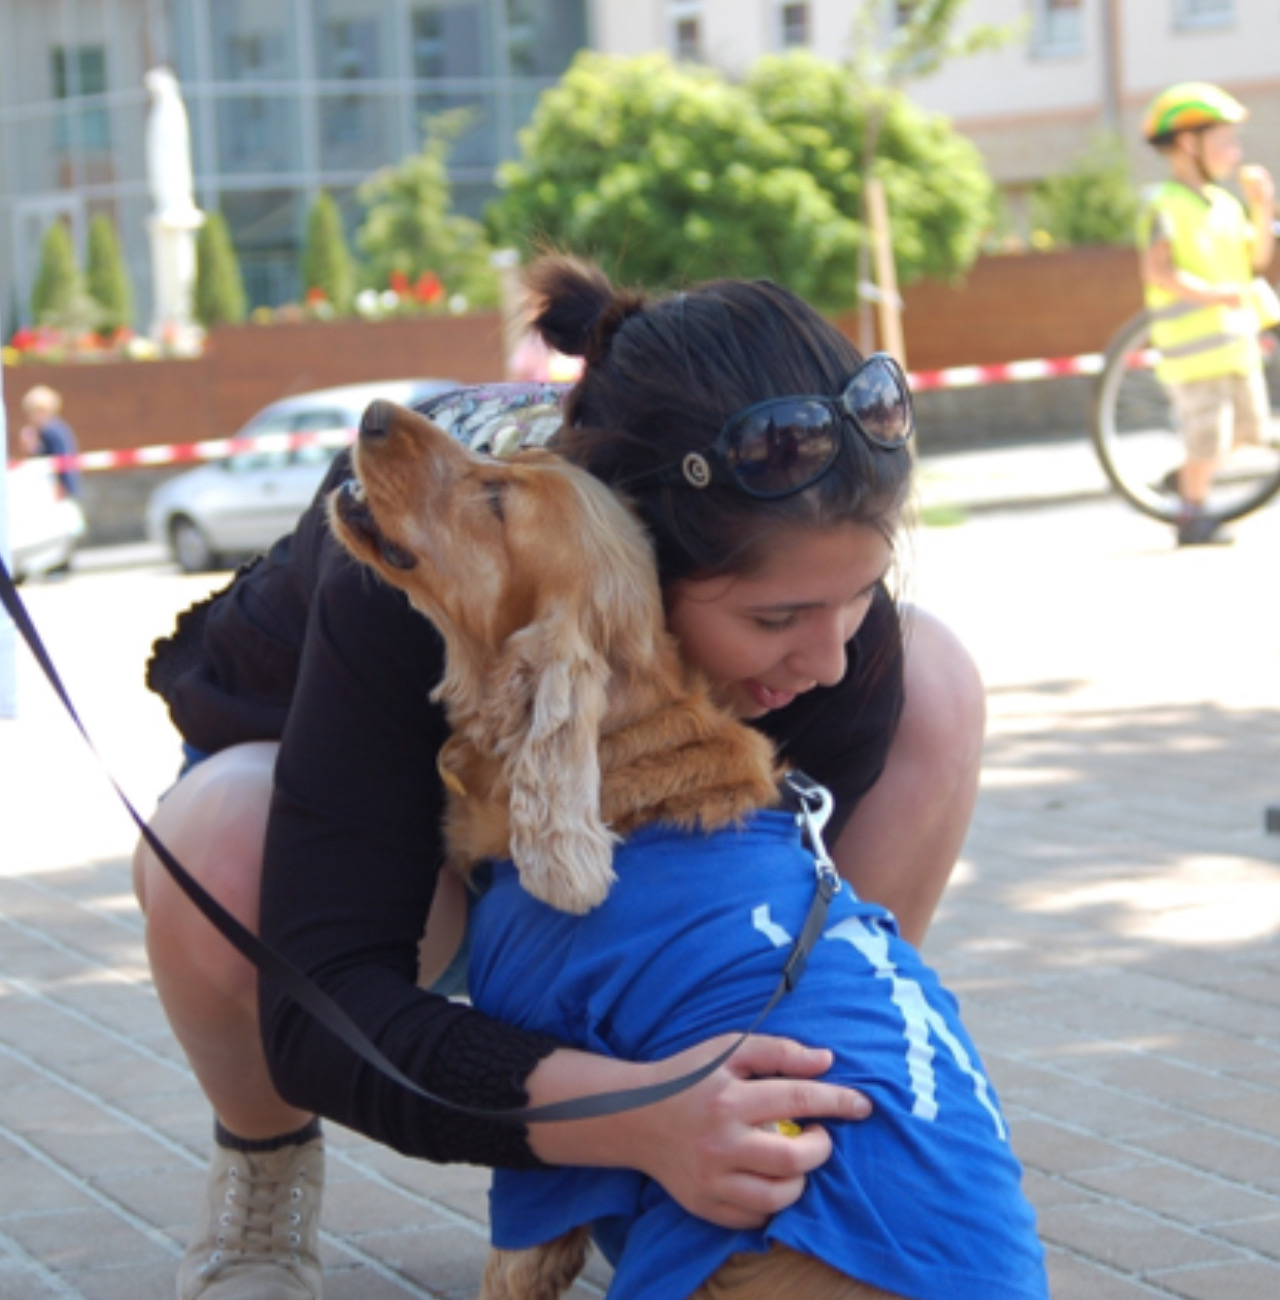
577,310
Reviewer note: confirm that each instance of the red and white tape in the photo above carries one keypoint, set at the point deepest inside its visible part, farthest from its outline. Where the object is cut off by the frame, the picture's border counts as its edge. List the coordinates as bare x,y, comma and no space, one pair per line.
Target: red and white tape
922,381
174,453
1010,372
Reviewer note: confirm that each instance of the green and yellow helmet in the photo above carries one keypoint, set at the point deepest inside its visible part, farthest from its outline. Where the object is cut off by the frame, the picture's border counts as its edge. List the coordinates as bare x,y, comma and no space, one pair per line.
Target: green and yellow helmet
1189,106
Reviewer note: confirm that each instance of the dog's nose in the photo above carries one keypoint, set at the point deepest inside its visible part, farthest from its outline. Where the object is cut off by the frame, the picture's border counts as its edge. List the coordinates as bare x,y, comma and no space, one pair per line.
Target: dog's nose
377,419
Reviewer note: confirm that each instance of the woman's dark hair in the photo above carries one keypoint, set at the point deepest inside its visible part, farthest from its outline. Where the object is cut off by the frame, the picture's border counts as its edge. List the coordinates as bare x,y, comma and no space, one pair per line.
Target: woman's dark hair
662,377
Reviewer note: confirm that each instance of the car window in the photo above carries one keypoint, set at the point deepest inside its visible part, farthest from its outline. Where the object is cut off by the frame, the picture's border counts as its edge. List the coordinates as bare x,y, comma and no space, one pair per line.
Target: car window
320,420
265,457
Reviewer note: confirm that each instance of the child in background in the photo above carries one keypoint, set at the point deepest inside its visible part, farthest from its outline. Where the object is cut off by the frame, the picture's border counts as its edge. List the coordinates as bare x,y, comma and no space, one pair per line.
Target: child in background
1200,250
46,433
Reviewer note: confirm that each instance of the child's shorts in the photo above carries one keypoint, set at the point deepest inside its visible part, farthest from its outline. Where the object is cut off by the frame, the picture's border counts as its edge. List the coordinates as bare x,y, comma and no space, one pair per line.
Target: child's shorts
1218,414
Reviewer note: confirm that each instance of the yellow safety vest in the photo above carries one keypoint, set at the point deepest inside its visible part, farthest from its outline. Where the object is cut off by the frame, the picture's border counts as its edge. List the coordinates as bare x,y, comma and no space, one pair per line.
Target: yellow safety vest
1212,238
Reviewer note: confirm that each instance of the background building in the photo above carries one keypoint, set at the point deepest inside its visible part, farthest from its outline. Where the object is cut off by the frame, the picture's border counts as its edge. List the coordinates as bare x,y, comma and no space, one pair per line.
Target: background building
1074,68
285,97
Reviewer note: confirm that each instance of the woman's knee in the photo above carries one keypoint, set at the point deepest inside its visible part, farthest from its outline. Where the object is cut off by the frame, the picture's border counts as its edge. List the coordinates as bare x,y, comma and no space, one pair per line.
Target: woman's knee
214,822
944,715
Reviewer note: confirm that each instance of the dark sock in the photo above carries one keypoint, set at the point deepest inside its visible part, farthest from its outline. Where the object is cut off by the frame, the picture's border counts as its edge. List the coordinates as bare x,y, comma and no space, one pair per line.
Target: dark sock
256,1146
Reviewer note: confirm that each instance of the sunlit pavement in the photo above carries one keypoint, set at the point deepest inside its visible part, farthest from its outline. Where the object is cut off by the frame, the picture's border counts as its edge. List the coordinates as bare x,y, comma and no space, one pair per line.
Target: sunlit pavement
1113,930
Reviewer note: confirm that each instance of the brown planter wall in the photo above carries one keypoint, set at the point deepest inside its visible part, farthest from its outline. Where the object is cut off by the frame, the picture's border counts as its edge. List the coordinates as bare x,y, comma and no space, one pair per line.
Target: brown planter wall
1008,308
138,404
1012,308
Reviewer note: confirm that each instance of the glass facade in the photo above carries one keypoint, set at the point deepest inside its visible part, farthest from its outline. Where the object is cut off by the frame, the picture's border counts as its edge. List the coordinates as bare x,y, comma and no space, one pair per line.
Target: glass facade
284,98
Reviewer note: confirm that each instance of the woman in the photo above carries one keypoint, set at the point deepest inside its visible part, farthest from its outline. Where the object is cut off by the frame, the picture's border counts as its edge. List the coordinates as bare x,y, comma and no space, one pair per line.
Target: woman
317,818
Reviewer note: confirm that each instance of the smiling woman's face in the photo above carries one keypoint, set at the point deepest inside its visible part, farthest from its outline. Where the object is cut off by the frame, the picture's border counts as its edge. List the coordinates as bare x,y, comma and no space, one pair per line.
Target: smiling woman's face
763,639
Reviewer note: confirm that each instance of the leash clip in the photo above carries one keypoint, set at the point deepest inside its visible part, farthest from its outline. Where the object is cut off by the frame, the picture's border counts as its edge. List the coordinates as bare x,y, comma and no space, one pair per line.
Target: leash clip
816,807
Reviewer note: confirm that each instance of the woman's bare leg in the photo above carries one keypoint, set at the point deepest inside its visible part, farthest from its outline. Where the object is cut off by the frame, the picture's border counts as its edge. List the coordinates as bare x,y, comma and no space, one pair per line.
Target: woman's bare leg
900,847
214,821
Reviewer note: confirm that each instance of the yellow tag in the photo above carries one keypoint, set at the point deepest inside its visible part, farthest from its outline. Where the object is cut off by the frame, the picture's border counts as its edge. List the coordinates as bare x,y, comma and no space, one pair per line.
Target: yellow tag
452,782
788,1128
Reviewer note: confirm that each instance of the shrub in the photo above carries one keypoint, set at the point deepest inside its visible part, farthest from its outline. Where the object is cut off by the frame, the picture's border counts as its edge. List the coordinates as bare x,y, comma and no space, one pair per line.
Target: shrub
219,288
107,278
58,281
1094,202
327,271
411,233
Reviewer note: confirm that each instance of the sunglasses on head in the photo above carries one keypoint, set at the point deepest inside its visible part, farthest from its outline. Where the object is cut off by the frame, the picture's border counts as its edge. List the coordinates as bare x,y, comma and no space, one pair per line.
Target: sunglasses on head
783,445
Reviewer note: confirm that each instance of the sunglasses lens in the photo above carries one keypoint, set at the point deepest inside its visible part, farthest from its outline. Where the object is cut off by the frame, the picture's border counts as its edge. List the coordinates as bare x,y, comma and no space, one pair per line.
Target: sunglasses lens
782,447
877,398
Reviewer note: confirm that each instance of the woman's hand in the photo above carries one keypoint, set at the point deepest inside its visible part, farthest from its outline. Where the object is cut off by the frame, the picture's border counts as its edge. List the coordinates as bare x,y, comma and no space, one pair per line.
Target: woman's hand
712,1146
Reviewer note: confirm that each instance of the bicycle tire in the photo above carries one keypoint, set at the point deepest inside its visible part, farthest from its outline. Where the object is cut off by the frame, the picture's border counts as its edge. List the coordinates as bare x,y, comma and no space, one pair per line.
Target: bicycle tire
1135,435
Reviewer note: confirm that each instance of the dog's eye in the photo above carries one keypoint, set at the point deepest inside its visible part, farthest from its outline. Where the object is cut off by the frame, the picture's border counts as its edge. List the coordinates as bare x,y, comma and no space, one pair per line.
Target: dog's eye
493,493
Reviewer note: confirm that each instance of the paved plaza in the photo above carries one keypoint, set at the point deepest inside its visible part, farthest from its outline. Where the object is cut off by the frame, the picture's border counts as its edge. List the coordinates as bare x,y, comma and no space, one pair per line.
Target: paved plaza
1113,931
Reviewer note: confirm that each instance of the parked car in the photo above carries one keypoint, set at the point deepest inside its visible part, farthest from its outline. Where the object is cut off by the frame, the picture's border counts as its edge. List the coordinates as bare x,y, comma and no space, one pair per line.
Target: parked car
45,524
242,504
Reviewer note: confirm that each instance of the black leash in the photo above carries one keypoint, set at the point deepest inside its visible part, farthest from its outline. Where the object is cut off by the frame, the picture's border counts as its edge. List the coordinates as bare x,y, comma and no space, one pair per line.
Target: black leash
815,806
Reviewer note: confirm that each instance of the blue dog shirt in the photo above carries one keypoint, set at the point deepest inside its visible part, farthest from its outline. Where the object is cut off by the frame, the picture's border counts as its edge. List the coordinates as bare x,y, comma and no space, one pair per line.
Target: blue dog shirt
923,1198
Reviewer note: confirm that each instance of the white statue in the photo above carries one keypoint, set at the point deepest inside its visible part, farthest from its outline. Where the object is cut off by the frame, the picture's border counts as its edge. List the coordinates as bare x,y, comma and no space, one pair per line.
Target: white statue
175,220
168,147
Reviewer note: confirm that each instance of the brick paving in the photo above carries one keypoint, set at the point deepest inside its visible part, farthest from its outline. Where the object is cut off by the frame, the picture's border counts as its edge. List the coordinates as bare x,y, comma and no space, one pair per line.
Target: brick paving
1113,932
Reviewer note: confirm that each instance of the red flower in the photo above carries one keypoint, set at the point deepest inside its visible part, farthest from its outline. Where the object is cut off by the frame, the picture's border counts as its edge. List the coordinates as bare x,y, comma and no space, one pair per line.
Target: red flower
316,295
428,288
399,283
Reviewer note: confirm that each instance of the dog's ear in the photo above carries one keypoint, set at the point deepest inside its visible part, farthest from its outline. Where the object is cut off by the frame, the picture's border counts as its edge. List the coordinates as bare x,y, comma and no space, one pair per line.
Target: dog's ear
542,713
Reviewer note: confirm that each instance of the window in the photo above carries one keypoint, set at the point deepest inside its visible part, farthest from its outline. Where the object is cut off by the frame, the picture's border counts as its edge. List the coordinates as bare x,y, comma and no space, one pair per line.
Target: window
449,39
538,38
350,50
795,25
428,43
688,38
252,41
686,29
1059,27
253,56
1203,13
79,71
522,39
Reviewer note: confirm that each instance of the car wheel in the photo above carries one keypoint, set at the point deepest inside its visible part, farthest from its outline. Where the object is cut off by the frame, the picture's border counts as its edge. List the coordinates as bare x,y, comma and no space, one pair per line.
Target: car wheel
190,548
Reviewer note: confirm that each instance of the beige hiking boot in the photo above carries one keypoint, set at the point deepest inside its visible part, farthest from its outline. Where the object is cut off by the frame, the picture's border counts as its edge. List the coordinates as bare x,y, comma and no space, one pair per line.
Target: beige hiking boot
257,1235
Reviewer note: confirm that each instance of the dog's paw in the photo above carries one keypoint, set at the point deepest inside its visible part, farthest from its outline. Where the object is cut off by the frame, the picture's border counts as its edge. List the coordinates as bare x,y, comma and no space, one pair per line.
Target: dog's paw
569,873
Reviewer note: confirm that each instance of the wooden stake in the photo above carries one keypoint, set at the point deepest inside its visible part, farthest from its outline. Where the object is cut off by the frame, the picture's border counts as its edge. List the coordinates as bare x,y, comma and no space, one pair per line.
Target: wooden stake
888,303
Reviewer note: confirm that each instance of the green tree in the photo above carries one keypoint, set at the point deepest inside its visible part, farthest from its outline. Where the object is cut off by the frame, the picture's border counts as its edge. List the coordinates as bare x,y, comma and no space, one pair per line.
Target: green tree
106,276
935,181
410,231
59,284
1094,202
326,260
219,288
669,174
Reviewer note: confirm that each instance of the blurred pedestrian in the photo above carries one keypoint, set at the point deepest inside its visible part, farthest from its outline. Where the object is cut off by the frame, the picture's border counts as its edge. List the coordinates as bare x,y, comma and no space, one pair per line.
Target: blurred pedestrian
1201,249
46,433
